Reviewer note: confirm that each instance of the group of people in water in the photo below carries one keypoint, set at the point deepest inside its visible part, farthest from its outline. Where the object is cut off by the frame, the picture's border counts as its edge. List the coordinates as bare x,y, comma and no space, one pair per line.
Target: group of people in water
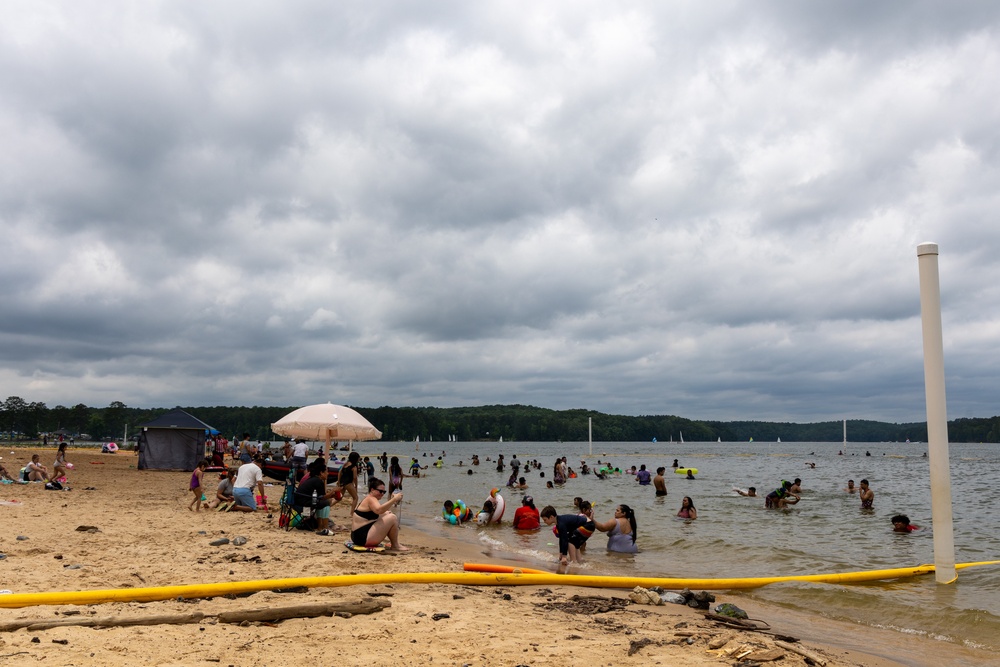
374,521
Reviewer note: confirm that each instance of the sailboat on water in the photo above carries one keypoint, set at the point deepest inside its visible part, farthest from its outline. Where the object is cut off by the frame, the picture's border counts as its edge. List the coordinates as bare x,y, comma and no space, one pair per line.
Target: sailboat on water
682,437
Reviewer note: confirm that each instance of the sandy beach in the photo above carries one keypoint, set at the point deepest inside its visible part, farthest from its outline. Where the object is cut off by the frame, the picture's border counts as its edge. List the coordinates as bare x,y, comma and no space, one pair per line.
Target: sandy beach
137,532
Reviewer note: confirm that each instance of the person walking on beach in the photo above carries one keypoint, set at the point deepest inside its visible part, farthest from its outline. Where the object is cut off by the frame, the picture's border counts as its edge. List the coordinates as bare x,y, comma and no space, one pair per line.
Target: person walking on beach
60,467
659,483
300,454
866,495
348,479
384,461
196,476
246,449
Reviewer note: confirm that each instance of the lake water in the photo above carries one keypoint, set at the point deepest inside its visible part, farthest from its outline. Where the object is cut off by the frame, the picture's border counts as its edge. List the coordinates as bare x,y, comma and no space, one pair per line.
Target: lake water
735,536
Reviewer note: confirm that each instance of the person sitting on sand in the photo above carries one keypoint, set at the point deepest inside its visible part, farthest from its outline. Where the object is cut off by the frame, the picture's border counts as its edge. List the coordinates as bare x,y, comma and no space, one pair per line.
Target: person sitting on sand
749,493
572,531
4,475
687,510
35,471
325,498
372,521
526,517
621,530
901,524
224,491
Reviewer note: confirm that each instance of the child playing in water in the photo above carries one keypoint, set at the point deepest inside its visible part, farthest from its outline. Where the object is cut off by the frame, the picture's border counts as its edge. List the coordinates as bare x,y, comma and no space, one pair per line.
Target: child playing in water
901,524
196,476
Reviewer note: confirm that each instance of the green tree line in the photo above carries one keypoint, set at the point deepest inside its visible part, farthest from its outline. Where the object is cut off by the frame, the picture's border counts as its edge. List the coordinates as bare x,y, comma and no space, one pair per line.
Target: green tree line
20,419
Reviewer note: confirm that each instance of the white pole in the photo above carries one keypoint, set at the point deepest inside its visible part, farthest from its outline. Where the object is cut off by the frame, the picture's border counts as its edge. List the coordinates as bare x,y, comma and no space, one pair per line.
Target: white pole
590,434
937,414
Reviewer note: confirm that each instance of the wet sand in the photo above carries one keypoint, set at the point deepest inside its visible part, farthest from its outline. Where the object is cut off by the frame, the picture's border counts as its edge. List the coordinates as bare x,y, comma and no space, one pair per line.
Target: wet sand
146,537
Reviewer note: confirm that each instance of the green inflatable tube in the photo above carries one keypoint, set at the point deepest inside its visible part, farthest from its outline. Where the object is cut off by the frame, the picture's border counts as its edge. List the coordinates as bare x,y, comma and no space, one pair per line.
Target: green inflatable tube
463,578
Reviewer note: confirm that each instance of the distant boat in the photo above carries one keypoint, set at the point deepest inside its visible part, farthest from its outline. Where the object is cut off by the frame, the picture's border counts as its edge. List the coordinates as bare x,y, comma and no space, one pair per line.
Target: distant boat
654,439
682,437
779,439
751,439
501,438
720,440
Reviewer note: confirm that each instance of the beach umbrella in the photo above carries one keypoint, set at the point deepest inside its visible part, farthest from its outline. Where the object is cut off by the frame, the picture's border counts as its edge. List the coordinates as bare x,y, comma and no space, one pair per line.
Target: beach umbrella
327,422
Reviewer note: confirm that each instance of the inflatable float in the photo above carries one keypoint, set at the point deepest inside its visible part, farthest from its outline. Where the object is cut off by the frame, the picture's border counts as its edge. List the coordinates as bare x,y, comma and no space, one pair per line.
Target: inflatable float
455,512
684,471
496,515
494,577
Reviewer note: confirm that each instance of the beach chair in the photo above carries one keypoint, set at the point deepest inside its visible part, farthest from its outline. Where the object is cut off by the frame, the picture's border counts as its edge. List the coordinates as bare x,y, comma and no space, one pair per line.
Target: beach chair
290,515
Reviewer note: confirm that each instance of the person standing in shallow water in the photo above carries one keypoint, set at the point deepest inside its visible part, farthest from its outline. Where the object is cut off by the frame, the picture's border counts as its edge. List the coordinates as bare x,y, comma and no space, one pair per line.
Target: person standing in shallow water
866,495
621,530
642,476
659,483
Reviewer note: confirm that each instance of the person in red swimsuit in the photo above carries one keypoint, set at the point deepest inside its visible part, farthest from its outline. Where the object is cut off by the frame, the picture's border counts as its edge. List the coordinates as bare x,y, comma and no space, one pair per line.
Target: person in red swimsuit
526,516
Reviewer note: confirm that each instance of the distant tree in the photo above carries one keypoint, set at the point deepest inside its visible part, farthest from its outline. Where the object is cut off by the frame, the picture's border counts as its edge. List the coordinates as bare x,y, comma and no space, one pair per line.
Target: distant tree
14,410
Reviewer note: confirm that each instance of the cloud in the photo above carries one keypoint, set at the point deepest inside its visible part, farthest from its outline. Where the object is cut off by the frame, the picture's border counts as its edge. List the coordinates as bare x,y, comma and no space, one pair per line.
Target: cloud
706,211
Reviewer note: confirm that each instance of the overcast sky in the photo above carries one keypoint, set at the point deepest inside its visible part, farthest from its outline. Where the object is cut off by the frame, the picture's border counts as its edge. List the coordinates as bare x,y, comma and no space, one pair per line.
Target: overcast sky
703,209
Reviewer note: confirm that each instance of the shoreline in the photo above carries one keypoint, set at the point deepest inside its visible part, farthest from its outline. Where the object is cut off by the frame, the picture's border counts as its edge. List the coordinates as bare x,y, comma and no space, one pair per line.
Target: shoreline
145,536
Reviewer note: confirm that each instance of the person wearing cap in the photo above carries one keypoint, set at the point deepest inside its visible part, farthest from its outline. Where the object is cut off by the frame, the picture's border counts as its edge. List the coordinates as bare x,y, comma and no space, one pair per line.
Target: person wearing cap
526,517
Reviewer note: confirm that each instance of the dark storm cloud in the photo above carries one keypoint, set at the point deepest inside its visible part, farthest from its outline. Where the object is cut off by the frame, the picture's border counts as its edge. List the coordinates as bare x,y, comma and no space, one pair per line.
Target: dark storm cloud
708,211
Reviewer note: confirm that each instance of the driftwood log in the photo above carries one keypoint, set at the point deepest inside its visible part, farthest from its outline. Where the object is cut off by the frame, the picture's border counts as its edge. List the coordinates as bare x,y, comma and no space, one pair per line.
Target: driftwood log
107,622
801,651
303,611
236,616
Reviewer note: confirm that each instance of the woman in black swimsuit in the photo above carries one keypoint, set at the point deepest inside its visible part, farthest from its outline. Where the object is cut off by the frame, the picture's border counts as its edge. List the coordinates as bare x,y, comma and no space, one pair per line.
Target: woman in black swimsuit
348,477
372,521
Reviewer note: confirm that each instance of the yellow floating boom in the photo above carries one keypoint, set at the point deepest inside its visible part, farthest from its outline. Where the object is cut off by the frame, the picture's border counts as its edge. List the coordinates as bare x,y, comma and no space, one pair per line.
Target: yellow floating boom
513,578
